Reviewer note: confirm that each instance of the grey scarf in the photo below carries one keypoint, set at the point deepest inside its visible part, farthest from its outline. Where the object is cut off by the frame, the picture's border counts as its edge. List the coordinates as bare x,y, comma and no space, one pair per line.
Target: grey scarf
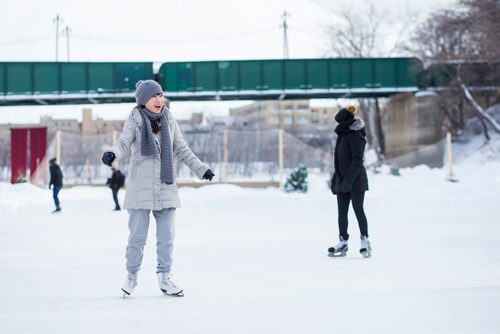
148,146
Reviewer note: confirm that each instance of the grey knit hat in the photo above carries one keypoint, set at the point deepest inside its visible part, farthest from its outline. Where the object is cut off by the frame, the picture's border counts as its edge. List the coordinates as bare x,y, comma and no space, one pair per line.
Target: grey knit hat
145,89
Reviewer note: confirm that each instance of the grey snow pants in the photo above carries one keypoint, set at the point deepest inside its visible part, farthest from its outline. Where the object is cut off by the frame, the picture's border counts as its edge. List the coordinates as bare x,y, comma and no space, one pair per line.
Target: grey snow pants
138,225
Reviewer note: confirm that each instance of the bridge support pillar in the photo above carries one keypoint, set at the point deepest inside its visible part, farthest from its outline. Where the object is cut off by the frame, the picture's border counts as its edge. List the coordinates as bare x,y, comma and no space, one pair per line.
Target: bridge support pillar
413,131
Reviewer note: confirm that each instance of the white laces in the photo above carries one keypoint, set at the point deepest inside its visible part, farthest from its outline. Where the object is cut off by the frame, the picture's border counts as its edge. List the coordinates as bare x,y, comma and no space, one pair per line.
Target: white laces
132,278
340,244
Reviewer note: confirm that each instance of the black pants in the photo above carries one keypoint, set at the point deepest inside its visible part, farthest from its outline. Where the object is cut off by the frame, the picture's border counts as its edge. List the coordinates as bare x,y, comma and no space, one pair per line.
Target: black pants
115,198
343,200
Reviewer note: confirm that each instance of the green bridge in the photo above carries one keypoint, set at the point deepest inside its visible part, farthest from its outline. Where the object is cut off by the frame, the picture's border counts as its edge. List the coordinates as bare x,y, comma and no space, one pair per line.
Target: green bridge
39,83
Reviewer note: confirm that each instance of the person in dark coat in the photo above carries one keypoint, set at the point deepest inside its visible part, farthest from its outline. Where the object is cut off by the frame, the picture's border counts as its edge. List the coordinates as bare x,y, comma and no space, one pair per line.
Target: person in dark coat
349,182
56,177
116,182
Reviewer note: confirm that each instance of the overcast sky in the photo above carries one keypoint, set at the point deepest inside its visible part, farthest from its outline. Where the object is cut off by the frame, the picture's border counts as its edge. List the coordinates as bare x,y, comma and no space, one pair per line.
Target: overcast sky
174,30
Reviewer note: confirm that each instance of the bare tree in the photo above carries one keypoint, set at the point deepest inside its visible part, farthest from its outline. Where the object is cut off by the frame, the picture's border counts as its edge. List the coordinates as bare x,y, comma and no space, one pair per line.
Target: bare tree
461,53
482,25
355,34
364,33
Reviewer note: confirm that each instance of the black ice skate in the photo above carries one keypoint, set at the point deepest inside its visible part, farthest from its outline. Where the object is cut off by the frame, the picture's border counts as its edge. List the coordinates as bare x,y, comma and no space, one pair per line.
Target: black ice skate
339,250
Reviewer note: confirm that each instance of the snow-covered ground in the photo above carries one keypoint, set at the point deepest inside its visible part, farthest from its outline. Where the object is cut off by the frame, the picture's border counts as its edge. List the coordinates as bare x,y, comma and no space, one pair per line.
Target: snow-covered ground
254,261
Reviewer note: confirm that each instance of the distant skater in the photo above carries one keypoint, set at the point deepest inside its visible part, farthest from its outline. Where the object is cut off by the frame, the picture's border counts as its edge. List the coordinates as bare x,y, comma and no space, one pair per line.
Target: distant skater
56,177
116,182
152,136
350,182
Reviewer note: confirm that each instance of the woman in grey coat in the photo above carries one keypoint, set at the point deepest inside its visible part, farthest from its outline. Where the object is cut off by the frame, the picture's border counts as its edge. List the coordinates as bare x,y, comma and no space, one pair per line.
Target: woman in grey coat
152,136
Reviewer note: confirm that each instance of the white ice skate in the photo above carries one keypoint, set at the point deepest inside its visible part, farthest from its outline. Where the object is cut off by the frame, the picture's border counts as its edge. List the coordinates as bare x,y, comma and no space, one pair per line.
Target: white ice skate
339,249
168,287
365,249
129,285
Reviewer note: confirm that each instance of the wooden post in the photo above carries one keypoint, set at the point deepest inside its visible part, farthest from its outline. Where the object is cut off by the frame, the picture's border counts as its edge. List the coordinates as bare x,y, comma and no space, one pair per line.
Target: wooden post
58,147
451,177
88,171
225,155
116,165
280,154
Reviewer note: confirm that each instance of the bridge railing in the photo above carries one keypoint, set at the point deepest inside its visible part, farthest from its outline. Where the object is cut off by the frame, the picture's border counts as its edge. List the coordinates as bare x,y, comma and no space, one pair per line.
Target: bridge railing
81,82
39,78
314,75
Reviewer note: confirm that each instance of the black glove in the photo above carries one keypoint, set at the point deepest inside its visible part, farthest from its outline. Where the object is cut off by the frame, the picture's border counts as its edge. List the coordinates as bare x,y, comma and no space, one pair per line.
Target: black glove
208,175
335,184
108,158
345,186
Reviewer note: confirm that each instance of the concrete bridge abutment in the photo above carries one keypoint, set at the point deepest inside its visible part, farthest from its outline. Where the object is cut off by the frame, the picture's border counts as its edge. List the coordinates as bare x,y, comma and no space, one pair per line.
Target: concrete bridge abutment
413,130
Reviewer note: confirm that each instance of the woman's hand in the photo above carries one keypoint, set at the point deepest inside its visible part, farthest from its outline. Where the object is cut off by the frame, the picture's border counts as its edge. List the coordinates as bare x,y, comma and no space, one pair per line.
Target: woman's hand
345,186
208,175
108,158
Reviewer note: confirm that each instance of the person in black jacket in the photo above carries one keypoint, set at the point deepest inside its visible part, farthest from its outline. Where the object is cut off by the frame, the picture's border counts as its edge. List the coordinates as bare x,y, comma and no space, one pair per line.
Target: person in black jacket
349,182
116,182
56,177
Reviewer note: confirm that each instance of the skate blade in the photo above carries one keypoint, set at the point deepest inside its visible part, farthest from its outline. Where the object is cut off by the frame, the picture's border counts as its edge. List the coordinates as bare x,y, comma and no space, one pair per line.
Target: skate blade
366,254
125,294
179,294
337,254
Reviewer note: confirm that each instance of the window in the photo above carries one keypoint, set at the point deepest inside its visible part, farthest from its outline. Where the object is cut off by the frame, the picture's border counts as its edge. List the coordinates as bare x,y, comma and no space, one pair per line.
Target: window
288,119
314,116
303,120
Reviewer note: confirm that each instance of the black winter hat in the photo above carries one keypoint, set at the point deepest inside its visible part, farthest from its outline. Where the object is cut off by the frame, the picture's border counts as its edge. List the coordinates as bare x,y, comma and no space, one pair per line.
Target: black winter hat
345,114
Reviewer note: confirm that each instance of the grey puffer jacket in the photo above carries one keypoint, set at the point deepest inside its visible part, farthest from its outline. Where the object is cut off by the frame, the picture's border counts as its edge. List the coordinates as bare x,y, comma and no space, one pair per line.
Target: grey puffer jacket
144,188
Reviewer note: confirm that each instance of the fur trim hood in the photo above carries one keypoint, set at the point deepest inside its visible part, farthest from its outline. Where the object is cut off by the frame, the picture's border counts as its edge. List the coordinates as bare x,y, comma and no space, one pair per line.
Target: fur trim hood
358,124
